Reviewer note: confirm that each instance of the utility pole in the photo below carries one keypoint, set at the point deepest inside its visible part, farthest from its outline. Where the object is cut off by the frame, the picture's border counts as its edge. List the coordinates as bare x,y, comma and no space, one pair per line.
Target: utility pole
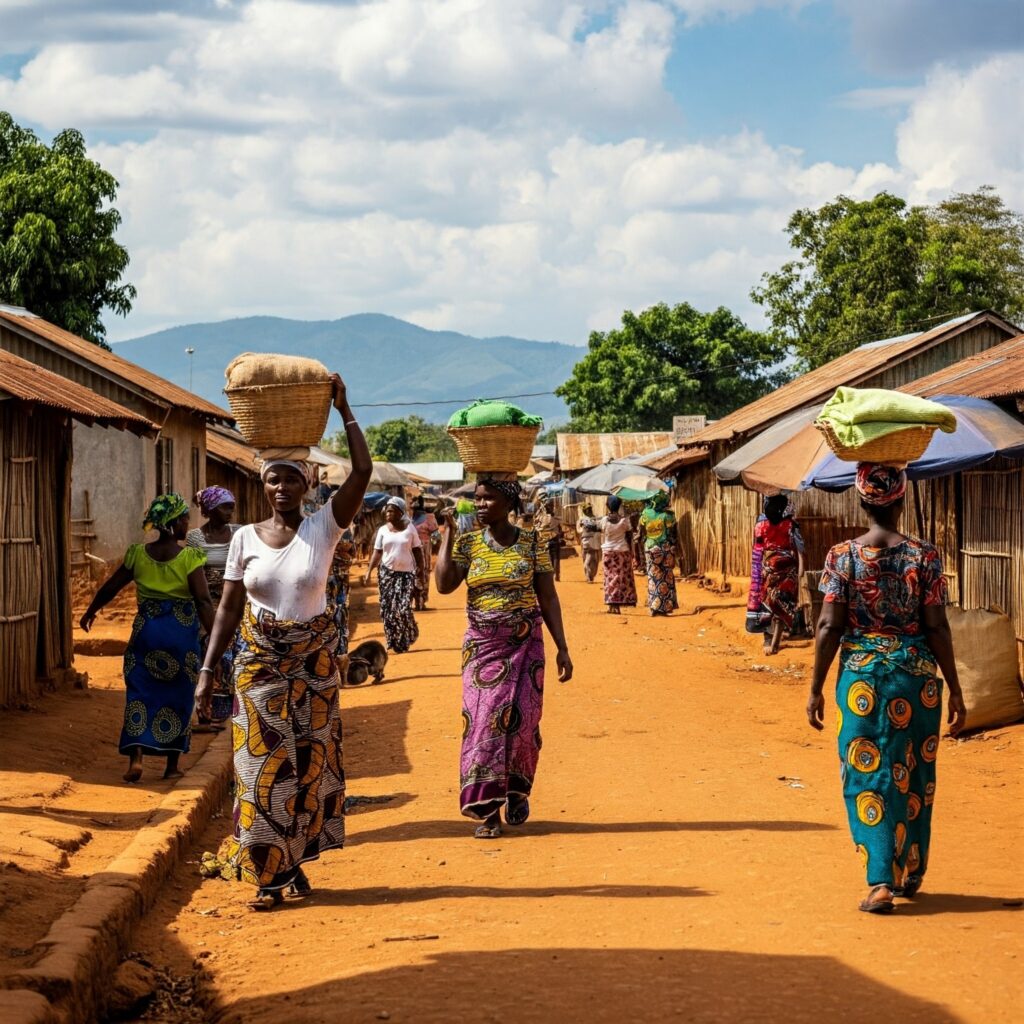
190,352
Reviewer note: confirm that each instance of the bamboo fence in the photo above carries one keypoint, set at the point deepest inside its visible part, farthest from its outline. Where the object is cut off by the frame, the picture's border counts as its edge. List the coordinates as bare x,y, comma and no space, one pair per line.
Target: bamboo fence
35,609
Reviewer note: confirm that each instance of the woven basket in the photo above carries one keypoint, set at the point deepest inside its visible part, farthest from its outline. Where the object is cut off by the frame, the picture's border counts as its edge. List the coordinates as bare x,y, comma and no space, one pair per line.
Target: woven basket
504,449
897,448
282,415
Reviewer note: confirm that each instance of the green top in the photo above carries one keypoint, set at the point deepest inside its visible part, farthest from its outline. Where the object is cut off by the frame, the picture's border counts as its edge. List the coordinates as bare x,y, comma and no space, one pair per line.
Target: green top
656,526
162,581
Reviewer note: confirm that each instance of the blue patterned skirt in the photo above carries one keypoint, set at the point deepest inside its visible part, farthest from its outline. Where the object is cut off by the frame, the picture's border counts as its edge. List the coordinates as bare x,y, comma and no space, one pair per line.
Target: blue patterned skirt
161,664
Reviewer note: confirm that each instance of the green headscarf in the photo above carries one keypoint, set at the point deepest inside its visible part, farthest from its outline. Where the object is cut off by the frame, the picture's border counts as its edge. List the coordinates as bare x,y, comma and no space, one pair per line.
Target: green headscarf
164,510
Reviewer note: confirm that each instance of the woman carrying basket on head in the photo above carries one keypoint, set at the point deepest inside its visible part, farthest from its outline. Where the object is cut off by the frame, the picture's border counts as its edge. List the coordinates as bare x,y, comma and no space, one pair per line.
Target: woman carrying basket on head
884,613
289,776
510,591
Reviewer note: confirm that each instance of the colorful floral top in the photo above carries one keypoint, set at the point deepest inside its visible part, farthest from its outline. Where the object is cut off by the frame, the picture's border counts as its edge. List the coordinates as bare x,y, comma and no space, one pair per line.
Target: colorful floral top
656,527
501,579
885,588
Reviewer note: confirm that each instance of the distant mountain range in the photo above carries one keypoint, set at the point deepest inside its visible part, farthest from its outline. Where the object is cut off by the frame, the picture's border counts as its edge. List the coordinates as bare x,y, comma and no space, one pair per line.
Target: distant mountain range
383,360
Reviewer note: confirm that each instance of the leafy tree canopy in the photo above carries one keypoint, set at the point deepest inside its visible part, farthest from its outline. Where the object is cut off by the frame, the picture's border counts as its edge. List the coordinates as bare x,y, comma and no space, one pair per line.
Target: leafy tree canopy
411,439
876,268
58,256
668,361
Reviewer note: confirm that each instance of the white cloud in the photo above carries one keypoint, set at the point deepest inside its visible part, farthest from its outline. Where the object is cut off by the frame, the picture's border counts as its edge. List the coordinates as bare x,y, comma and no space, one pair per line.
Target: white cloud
493,167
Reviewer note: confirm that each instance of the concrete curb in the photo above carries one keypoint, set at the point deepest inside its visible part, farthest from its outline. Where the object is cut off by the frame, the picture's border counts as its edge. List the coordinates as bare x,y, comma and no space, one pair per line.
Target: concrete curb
85,944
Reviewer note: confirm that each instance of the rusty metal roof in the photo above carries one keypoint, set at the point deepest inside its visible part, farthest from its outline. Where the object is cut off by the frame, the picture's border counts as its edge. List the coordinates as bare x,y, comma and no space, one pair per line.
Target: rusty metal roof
583,451
676,460
31,383
158,390
232,449
997,372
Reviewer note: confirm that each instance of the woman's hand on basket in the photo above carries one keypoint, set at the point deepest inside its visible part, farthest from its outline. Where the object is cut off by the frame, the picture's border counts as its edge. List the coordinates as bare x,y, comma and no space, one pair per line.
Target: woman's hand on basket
448,520
816,710
340,397
564,663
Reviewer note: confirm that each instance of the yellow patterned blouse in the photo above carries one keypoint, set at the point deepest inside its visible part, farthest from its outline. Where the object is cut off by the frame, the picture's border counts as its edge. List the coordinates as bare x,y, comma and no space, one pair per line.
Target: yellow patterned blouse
501,579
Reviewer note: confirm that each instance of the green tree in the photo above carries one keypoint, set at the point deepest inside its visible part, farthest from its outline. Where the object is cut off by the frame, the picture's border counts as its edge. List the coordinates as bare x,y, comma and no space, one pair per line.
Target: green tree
870,269
58,256
668,361
411,439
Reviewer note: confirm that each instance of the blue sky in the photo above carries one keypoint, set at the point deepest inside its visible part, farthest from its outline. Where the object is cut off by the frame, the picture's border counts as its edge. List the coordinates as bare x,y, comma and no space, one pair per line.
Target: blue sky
527,168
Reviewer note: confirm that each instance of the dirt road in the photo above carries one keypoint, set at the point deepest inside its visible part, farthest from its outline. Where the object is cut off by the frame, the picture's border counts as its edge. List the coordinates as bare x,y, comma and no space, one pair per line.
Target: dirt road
687,858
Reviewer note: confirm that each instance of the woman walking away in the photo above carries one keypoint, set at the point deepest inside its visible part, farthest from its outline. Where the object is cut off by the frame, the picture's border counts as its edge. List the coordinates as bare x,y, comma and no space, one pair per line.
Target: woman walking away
398,558
658,526
510,588
217,504
338,588
289,778
589,530
777,562
884,612
162,657
617,550
426,526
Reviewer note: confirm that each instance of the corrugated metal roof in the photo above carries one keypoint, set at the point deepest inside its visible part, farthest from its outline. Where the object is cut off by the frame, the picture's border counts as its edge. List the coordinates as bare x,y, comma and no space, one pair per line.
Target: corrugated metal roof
232,450
31,383
583,451
997,372
162,391
676,459
850,369
544,451
435,472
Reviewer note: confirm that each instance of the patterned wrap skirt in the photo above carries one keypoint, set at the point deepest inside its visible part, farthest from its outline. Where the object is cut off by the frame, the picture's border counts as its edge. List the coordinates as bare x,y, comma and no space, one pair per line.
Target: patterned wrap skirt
400,629
889,710
781,585
502,701
619,584
661,580
161,663
286,731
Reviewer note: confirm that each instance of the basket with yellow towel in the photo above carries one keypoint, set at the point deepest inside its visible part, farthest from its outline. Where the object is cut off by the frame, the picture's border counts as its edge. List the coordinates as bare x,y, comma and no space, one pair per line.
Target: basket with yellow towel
877,425
494,437
279,402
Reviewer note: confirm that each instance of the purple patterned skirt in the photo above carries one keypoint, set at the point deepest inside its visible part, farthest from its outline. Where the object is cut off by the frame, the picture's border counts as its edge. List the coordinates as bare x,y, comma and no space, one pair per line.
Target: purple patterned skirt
502,701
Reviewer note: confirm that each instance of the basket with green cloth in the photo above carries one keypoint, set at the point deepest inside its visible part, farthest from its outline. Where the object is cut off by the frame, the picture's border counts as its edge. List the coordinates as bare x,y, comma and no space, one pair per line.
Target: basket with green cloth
494,436
878,425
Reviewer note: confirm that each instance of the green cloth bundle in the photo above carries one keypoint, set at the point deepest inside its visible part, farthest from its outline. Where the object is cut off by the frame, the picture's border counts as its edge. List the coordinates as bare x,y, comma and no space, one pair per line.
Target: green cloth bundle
858,416
493,414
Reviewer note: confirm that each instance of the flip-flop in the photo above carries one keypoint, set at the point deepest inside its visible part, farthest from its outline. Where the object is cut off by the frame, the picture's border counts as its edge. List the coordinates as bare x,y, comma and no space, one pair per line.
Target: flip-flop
485,831
300,887
518,812
266,900
873,906
910,888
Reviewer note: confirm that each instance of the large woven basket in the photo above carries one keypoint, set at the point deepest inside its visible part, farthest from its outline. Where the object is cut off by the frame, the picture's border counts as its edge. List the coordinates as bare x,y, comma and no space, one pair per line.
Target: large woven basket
282,415
897,448
503,449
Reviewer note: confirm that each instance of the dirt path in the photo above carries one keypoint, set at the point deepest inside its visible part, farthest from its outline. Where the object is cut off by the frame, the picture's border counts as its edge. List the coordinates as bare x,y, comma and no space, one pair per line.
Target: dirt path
687,858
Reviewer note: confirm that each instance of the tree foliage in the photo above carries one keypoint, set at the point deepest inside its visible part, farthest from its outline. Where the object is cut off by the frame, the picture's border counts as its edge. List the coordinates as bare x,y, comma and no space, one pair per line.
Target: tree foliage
411,439
668,361
875,268
58,256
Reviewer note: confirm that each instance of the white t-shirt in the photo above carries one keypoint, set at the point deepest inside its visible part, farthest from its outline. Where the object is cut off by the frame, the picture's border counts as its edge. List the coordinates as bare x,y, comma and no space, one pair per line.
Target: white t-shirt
291,581
614,534
397,546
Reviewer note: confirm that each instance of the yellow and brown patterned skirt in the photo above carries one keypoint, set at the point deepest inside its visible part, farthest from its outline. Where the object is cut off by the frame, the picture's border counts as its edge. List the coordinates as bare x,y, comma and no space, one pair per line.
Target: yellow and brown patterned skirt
286,728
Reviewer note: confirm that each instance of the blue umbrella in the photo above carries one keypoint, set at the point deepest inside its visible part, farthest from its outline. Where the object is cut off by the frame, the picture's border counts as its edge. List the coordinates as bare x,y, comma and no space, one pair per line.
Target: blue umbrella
983,430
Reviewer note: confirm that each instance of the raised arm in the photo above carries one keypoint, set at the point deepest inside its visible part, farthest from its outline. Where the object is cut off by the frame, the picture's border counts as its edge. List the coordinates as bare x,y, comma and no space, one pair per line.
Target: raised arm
447,574
118,580
348,499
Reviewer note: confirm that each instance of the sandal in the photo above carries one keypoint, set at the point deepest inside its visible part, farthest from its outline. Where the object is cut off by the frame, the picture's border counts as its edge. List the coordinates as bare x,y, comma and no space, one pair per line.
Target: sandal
910,888
300,887
489,829
266,899
517,810
882,906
